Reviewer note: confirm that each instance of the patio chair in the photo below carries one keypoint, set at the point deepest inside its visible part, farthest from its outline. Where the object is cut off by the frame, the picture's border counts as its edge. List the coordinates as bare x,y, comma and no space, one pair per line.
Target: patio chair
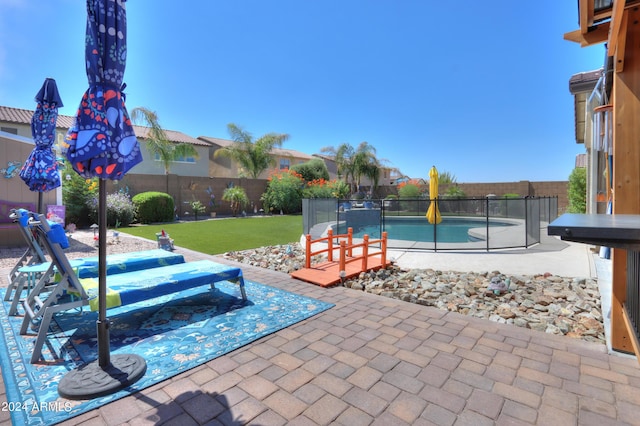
39,275
34,253
122,289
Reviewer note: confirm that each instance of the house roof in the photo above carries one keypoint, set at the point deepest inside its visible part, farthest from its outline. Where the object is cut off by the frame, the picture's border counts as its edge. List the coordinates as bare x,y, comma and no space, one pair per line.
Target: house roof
276,151
581,85
23,116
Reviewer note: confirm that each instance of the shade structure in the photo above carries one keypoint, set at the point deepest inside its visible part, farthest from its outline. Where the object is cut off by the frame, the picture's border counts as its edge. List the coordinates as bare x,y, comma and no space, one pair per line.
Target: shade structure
433,212
102,144
40,170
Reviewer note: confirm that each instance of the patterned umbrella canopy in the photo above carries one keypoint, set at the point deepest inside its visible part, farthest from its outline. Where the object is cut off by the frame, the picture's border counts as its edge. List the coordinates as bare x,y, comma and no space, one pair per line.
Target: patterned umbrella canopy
101,142
40,170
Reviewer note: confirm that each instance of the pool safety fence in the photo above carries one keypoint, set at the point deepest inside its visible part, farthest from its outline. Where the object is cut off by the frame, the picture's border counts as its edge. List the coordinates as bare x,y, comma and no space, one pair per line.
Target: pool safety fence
468,223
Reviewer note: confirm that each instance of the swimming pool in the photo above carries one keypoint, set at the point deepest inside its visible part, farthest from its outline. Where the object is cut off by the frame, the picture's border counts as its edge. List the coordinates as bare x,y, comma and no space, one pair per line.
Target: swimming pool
450,230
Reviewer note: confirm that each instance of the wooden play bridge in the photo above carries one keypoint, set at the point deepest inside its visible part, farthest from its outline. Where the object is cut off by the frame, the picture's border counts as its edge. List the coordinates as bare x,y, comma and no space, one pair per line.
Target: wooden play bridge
348,265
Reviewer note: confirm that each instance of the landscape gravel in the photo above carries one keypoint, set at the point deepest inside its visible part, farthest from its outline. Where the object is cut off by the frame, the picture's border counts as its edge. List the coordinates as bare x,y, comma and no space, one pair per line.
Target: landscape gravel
546,303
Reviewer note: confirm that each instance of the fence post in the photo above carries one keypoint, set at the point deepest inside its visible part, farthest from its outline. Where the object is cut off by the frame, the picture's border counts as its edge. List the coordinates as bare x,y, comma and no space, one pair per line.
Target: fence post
307,259
383,260
350,240
487,222
365,252
330,242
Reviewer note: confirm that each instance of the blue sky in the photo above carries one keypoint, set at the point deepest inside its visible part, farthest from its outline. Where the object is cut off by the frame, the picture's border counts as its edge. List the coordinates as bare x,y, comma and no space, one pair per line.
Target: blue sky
480,90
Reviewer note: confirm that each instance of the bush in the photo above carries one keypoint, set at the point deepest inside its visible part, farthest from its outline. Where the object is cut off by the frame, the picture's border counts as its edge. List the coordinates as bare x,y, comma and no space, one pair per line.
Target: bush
409,190
321,188
454,192
120,209
237,197
312,170
284,192
577,191
77,193
154,207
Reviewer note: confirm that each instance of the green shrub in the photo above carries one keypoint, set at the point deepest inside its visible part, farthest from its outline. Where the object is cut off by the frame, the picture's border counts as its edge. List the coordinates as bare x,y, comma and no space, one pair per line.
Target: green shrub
313,169
237,197
577,191
77,193
154,207
120,209
409,190
284,192
454,192
198,208
321,188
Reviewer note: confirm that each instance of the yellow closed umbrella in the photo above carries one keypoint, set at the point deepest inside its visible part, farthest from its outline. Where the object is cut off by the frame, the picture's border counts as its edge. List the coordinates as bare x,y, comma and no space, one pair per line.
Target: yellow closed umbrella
433,213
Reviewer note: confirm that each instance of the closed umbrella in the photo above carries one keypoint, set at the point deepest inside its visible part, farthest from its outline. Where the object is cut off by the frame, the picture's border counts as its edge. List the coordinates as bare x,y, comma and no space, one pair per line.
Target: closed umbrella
102,144
40,170
433,213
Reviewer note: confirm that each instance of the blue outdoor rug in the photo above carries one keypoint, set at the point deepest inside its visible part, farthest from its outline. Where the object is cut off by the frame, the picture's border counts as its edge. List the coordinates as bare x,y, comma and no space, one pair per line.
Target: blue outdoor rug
172,333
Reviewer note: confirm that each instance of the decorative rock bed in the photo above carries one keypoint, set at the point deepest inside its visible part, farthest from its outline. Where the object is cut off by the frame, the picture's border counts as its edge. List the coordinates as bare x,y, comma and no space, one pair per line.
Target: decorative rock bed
547,303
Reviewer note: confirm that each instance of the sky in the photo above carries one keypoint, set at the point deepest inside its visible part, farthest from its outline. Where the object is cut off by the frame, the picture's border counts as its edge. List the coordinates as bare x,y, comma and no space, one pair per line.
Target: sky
478,89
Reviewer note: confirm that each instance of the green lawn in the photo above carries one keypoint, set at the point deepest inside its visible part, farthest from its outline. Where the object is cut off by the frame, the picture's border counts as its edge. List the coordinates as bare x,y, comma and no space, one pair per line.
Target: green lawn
222,235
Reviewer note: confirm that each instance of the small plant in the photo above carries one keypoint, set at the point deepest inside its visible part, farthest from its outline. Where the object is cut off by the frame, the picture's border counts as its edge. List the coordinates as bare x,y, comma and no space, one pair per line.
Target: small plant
237,197
198,208
120,209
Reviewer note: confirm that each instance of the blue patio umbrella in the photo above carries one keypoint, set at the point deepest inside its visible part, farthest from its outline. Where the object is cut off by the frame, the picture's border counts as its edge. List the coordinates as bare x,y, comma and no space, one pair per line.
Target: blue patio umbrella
40,170
102,144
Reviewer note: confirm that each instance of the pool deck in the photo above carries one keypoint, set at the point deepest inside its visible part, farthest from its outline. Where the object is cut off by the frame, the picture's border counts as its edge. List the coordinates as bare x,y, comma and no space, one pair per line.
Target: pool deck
371,360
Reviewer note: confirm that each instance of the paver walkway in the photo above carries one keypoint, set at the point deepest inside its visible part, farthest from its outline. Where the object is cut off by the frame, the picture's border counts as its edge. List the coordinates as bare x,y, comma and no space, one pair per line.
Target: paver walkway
371,360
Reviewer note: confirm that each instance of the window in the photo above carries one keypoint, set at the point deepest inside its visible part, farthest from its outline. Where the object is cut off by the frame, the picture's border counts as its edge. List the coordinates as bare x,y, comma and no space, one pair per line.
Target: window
284,164
180,159
11,130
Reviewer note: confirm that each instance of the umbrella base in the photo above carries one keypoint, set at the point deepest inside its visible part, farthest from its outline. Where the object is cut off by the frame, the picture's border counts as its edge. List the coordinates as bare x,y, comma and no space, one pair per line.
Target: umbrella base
91,381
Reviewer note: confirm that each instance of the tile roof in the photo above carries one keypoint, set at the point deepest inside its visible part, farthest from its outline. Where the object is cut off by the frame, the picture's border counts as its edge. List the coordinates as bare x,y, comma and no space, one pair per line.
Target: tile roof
23,116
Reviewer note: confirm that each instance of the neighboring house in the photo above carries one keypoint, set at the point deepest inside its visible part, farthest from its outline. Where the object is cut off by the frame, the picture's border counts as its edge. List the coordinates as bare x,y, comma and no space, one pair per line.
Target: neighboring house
14,193
18,122
586,88
226,168
195,167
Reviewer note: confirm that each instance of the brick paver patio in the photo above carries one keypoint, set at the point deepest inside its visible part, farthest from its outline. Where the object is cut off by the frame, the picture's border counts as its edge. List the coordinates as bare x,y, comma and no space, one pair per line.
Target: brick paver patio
371,360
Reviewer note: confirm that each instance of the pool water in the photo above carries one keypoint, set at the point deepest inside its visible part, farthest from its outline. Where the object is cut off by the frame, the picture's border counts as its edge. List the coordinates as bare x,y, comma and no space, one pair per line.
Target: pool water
450,230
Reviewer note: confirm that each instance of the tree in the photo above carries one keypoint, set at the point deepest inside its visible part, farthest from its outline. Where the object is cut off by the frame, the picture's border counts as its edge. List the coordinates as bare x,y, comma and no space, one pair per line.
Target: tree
577,190
158,143
237,197
446,177
356,163
254,157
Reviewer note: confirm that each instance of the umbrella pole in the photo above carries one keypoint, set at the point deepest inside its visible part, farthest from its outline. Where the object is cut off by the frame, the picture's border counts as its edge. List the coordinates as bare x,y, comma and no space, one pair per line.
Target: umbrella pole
108,374
103,323
40,202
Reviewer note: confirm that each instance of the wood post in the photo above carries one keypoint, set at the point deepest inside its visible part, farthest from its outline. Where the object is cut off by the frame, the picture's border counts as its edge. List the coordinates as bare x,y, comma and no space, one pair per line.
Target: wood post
307,257
626,173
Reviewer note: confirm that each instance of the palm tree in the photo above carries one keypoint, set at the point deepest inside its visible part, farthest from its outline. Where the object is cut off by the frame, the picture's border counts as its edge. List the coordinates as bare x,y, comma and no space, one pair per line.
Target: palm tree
158,143
366,164
343,157
254,157
356,163
237,197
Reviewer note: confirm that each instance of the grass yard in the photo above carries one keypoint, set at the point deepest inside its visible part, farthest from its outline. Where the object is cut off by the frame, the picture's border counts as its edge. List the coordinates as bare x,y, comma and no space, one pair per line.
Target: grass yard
223,235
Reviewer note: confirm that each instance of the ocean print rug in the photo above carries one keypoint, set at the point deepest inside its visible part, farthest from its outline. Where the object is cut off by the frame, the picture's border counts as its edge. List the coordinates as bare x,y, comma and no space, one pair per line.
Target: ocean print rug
172,333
